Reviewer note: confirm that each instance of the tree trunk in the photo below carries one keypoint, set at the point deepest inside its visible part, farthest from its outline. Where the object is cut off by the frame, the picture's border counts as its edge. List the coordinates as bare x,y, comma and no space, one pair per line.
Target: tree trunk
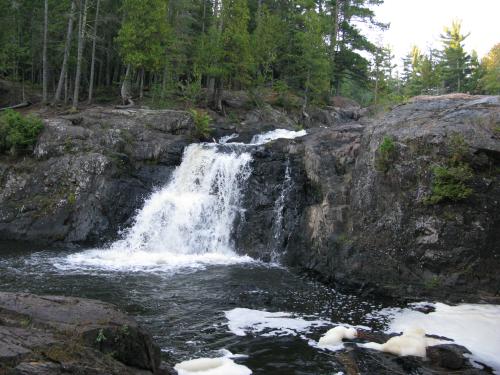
164,82
334,32
64,68
81,45
117,71
66,88
108,65
125,91
217,99
44,56
204,17
92,64
141,84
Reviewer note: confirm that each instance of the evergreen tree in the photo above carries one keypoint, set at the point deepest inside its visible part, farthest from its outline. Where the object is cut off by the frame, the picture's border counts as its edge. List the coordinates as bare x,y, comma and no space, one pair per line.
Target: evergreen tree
265,41
384,85
490,82
315,68
236,59
473,83
347,40
454,58
143,35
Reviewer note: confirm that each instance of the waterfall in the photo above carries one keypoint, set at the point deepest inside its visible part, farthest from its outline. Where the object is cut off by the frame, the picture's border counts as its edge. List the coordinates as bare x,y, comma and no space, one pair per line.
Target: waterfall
194,213
279,207
189,221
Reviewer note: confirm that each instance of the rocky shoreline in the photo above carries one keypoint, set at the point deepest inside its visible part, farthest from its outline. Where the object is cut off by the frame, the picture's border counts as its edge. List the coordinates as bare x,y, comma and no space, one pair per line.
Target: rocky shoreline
58,335
42,335
354,215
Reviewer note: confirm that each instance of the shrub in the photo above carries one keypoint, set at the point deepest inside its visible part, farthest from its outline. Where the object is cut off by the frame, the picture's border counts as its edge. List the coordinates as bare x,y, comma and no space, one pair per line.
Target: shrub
18,132
202,123
192,91
284,97
450,183
385,154
458,148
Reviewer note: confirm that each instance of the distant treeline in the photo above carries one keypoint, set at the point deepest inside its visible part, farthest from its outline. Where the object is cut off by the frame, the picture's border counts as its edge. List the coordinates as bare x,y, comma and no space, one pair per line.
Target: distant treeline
80,50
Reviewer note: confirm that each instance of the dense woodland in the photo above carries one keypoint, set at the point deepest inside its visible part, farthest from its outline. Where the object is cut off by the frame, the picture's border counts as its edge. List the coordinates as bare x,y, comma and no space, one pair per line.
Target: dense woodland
163,51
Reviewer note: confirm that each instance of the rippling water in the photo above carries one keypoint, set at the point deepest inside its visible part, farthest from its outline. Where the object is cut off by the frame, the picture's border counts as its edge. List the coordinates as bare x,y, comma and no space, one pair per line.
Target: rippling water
185,309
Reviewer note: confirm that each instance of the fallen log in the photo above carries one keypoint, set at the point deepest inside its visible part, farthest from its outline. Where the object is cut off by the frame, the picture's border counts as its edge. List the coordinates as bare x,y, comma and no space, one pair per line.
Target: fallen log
129,103
20,105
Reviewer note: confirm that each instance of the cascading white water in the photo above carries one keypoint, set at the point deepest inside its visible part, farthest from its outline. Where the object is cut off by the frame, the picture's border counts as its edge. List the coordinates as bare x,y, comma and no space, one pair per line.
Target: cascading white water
194,213
189,221
279,207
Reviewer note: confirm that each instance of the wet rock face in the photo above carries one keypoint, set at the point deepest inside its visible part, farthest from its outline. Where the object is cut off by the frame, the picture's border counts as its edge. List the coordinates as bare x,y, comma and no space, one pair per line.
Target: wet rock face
365,220
89,173
55,335
405,245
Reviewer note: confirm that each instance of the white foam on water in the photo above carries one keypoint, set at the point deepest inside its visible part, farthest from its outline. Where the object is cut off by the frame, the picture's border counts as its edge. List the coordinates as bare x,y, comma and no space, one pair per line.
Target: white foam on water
140,260
276,134
475,326
211,366
242,321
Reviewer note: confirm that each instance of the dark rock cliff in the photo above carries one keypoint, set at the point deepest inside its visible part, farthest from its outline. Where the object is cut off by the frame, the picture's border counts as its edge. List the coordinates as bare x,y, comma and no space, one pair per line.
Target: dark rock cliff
365,220
89,173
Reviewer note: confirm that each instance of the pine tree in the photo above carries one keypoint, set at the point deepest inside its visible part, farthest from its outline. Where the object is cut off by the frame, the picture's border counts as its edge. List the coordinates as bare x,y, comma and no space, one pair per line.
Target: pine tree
143,36
348,40
236,60
473,83
315,68
454,58
265,42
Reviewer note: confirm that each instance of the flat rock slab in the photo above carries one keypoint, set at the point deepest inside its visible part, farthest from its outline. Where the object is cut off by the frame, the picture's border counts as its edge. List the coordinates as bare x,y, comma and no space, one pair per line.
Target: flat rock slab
53,334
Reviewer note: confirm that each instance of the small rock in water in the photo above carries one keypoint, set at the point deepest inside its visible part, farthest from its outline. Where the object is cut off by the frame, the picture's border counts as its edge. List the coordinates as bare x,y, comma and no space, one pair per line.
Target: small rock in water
447,356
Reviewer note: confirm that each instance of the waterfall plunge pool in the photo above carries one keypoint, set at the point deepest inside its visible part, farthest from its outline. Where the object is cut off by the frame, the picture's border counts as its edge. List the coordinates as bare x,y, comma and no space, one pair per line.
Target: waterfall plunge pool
186,308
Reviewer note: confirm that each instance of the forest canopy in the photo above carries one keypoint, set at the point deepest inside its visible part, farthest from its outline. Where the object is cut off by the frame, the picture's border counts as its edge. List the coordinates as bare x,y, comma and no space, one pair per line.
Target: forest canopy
163,50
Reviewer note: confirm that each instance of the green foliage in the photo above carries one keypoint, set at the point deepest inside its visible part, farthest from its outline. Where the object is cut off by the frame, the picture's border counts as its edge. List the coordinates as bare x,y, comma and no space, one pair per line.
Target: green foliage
192,91
71,198
454,58
433,283
490,82
179,47
450,182
236,57
125,330
385,155
144,33
315,63
18,132
265,42
284,97
100,338
202,123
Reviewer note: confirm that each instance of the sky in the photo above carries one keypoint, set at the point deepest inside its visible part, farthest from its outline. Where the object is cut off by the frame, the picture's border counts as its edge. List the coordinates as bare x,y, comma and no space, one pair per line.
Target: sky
420,22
